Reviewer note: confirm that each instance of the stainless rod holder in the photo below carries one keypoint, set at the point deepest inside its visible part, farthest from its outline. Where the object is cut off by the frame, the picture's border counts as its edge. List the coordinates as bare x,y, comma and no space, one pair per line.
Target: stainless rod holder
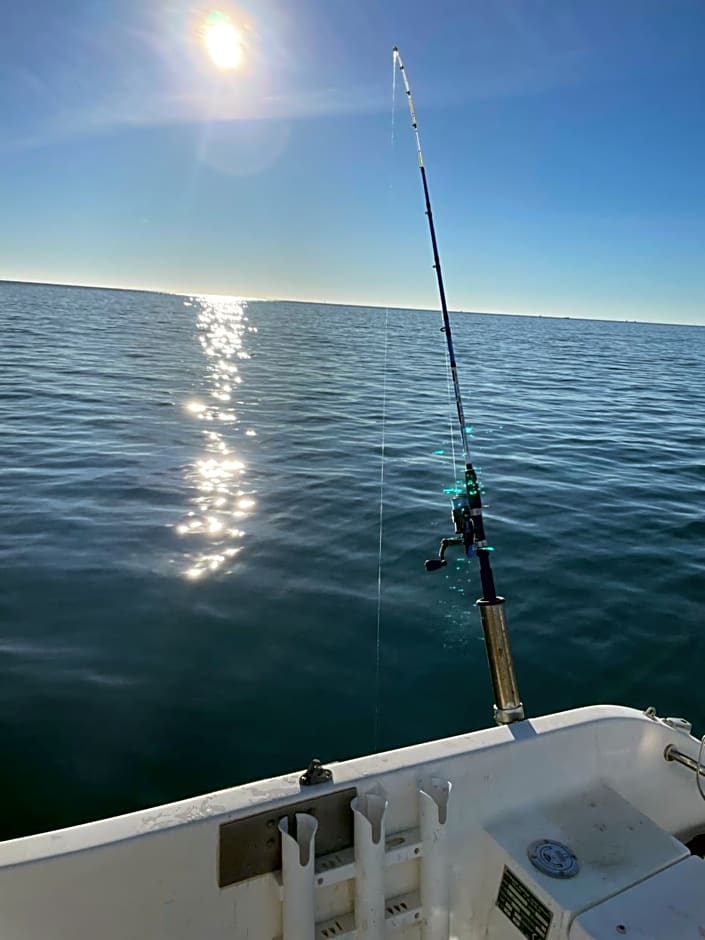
508,706
673,754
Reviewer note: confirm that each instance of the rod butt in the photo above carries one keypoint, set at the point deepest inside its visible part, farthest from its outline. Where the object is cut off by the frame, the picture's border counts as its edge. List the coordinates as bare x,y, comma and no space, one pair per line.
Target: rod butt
508,706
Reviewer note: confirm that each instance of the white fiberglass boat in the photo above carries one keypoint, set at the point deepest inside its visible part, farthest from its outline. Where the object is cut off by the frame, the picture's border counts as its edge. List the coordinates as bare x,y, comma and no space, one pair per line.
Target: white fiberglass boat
567,826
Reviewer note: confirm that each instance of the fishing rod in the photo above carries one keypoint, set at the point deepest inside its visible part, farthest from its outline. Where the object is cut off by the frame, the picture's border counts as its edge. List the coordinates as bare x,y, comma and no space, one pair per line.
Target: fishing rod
466,503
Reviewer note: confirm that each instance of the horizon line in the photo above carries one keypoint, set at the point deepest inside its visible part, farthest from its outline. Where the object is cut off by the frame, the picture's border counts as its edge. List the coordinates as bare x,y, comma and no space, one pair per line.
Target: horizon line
332,303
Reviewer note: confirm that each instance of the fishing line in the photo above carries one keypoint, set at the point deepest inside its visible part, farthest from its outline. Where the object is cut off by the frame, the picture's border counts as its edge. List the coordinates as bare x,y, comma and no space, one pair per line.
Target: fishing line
378,642
378,650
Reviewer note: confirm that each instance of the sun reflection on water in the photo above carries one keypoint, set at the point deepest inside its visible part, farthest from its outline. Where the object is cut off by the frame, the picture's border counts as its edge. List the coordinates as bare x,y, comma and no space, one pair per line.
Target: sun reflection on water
219,475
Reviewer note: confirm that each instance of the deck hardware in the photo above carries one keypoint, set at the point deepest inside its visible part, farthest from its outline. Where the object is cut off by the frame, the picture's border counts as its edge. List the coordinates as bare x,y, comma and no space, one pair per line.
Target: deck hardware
553,858
435,862
370,838
315,774
696,765
399,912
250,846
679,724
522,907
298,854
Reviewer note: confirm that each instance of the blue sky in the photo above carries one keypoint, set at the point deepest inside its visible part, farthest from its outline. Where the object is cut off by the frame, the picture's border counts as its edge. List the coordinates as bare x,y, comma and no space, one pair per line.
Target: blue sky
565,143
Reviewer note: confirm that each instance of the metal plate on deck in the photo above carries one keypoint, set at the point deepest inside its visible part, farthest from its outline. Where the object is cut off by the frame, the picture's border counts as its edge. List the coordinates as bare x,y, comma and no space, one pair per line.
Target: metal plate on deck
252,846
529,915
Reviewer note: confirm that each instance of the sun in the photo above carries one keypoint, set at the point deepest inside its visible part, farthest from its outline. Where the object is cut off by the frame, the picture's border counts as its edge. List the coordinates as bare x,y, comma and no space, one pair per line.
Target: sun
223,41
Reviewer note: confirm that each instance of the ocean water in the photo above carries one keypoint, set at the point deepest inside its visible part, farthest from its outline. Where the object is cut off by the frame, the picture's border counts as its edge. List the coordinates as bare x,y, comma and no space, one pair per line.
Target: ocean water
189,531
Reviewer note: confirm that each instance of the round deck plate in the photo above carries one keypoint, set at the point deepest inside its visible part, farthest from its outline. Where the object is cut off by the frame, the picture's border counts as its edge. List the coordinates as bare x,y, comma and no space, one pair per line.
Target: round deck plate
553,858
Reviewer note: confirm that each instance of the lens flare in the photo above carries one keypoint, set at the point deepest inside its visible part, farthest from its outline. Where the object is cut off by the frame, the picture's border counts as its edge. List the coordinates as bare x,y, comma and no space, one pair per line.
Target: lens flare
223,41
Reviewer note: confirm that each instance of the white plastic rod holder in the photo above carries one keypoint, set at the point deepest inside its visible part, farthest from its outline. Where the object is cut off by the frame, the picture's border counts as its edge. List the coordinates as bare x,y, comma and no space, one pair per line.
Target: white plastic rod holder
298,858
434,892
368,812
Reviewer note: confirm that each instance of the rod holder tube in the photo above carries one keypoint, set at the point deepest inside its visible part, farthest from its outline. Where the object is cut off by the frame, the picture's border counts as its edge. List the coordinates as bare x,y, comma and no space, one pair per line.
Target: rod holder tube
435,862
508,706
673,754
298,859
369,811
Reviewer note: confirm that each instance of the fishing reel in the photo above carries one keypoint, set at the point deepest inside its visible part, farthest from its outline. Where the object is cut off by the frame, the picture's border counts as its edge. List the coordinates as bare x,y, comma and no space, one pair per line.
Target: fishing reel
461,515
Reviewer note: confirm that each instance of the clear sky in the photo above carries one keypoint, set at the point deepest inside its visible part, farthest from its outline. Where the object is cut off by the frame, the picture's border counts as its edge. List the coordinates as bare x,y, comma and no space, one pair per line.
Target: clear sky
565,144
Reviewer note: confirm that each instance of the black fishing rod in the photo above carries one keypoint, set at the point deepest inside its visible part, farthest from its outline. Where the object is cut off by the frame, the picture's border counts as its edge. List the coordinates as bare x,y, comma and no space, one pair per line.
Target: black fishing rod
467,502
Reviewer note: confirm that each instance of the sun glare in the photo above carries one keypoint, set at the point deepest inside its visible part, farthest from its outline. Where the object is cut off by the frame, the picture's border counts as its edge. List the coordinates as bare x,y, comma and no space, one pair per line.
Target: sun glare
222,40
